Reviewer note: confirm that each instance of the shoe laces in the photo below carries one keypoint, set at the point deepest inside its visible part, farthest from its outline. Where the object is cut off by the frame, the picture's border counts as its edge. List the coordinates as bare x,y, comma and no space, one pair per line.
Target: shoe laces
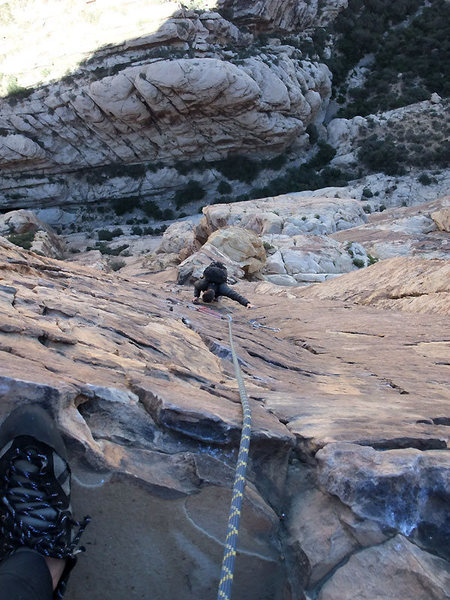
34,512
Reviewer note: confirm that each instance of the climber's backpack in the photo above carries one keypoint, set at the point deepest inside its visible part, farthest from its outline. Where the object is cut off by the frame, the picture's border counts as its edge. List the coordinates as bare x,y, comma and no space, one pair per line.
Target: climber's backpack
216,272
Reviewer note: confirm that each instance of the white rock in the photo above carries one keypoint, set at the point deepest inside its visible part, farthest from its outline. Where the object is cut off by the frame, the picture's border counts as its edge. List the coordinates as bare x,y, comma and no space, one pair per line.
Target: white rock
286,280
177,238
310,277
18,147
275,263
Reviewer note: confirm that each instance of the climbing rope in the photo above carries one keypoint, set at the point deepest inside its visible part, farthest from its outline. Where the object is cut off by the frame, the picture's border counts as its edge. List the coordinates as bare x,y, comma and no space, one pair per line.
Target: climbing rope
226,574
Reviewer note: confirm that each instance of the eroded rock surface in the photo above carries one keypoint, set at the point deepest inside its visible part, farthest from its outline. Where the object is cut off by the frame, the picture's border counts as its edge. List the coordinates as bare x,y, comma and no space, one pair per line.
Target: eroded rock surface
402,571
142,385
118,127
405,231
414,285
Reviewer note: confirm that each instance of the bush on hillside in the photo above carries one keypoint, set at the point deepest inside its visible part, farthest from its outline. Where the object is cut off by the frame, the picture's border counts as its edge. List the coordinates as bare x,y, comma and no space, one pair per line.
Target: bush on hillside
240,168
190,193
383,155
125,204
152,210
416,50
24,240
107,235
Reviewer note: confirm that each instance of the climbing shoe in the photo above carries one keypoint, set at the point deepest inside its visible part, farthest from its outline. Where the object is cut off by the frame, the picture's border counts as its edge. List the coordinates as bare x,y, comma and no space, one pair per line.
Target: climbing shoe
35,508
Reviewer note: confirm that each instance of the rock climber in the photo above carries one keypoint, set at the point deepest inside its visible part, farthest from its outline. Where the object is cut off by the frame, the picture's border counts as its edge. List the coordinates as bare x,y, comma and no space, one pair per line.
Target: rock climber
213,284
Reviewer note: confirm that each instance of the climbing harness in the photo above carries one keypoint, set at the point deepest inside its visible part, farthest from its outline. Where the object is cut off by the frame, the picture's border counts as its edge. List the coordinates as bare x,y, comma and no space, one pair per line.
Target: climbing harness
226,574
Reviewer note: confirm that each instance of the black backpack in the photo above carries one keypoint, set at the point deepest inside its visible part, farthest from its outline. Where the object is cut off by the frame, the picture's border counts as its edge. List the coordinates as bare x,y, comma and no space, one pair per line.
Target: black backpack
216,272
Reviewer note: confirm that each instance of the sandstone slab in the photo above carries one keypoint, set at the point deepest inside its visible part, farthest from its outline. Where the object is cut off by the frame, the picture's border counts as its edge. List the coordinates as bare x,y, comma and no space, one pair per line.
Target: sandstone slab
142,385
395,570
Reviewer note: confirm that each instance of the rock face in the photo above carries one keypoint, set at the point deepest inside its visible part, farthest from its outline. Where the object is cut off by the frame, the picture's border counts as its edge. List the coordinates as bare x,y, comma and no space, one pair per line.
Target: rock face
403,570
406,500
289,214
442,218
275,15
417,231
119,135
411,285
142,386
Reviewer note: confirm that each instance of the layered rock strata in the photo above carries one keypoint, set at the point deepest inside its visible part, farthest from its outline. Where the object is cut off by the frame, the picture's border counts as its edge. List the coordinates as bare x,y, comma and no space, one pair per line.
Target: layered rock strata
116,131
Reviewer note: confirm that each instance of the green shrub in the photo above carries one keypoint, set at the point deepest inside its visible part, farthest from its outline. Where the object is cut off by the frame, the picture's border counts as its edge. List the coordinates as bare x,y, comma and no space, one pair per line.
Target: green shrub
372,259
311,130
224,187
152,210
367,192
16,91
323,156
24,240
367,208
275,163
383,155
416,48
240,168
425,179
105,249
168,214
107,236
191,192
136,230
358,263
125,204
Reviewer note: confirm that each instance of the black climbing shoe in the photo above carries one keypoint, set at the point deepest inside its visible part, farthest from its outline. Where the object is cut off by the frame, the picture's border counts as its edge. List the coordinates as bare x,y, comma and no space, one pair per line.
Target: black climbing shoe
35,509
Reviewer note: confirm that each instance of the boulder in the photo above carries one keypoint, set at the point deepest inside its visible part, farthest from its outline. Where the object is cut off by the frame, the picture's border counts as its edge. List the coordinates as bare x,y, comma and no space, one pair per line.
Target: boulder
241,246
179,238
240,250
442,219
311,258
283,280
19,222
